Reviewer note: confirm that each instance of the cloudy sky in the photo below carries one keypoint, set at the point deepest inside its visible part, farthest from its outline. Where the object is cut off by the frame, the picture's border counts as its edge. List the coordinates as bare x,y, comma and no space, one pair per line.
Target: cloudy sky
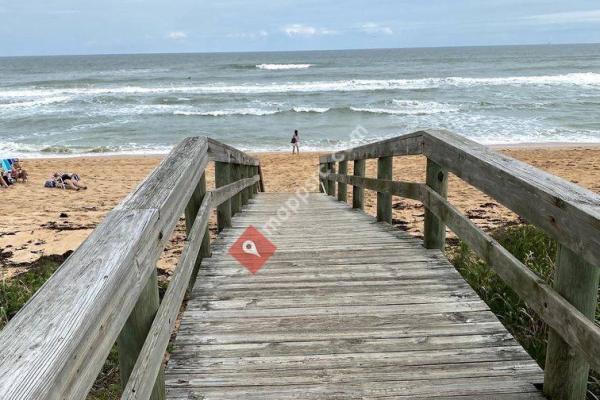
31,27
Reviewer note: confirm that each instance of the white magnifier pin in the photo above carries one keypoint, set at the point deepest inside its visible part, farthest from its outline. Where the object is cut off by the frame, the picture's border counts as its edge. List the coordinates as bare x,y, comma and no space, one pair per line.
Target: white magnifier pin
249,247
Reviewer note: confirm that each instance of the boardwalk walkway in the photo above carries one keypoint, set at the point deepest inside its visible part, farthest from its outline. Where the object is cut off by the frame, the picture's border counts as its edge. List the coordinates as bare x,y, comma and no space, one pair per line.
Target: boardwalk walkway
347,308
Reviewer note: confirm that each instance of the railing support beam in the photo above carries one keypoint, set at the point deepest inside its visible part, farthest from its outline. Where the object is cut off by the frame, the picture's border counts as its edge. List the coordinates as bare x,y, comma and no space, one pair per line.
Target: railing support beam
434,229
358,193
342,187
191,211
384,200
134,332
236,200
222,178
322,181
330,182
245,193
566,371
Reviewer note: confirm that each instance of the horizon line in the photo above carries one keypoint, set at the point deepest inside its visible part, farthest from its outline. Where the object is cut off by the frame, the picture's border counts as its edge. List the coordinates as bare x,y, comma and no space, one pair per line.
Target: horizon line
300,51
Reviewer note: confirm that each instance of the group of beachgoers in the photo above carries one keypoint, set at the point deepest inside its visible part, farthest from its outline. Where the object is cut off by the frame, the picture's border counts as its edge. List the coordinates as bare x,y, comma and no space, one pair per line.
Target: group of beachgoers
11,170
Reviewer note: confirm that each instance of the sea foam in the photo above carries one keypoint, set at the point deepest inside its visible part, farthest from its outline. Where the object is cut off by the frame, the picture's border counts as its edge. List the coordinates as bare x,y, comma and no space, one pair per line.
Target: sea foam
278,67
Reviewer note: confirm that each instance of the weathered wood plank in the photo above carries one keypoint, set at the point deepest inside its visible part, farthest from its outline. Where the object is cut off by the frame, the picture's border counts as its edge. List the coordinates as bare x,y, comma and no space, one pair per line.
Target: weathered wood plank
191,211
566,211
566,371
92,294
222,194
330,182
573,326
148,365
410,190
133,335
384,200
332,309
410,144
223,179
434,231
220,152
342,188
358,193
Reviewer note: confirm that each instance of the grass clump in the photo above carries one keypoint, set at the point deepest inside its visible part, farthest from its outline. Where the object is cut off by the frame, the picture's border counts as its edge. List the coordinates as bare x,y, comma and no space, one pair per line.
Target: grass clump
537,251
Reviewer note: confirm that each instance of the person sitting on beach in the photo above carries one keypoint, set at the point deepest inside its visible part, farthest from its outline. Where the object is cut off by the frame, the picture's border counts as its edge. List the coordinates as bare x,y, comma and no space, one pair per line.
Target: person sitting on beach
4,178
296,142
18,172
68,181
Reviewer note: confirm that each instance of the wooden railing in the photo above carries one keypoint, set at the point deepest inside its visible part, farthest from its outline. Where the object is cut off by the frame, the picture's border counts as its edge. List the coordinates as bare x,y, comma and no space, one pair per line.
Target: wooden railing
107,291
565,211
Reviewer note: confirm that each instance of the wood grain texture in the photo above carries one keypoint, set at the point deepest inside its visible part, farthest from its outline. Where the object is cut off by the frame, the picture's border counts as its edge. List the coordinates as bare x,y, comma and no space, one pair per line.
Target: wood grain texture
384,199
223,179
574,327
57,343
223,194
148,365
409,144
342,191
352,312
358,193
330,182
566,371
564,210
221,152
434,231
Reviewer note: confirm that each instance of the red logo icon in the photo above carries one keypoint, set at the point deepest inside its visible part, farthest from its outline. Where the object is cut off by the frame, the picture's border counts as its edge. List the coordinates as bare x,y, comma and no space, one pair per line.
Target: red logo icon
252,249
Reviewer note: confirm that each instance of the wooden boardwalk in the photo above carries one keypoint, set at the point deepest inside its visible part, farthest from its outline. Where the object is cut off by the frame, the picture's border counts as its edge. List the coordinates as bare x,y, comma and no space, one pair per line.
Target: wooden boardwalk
347,308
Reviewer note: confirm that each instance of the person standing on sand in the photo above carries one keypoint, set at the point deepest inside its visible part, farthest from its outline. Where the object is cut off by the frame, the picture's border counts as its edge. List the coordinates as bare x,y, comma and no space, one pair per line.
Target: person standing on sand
296,142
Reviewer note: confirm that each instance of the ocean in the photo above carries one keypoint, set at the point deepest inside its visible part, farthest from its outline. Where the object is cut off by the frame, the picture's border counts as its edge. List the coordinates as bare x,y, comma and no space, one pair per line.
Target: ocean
144,104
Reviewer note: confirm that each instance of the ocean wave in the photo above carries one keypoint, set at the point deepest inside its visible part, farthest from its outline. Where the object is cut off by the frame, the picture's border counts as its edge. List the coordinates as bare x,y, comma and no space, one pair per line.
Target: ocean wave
409,107
318,110
279,67
585,79
222,113
34,103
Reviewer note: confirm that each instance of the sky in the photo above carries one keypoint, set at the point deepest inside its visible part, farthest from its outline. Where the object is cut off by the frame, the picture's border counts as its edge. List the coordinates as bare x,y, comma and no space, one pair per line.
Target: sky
49,27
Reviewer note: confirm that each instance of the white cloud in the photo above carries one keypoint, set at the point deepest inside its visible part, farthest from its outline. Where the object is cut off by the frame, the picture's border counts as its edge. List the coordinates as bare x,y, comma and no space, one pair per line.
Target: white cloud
306,30
176,35
375,29
566,17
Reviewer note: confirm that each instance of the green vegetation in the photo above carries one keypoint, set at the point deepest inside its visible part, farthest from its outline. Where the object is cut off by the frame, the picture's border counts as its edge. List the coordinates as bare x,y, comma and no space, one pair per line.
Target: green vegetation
532,247
15,292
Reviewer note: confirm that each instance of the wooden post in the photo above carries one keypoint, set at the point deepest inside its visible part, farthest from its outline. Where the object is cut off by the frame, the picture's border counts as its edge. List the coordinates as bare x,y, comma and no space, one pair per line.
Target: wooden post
244,174
330,182
358,193
261,183
342,187
566,371
384,200
435,230
236,200
323,182
191,210
134,332
249,188
254,170
222,178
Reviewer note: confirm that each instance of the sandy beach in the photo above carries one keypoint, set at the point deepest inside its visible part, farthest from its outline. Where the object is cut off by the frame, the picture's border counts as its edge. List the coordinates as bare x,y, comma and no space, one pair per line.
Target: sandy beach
38,221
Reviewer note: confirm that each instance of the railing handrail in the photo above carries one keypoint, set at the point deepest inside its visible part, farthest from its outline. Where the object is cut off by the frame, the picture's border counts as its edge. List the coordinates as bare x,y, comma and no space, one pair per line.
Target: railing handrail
55,346
567,212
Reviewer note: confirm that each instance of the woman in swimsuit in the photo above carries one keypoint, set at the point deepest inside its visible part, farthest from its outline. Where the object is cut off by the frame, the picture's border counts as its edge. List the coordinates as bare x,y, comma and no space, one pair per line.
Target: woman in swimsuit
69,181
